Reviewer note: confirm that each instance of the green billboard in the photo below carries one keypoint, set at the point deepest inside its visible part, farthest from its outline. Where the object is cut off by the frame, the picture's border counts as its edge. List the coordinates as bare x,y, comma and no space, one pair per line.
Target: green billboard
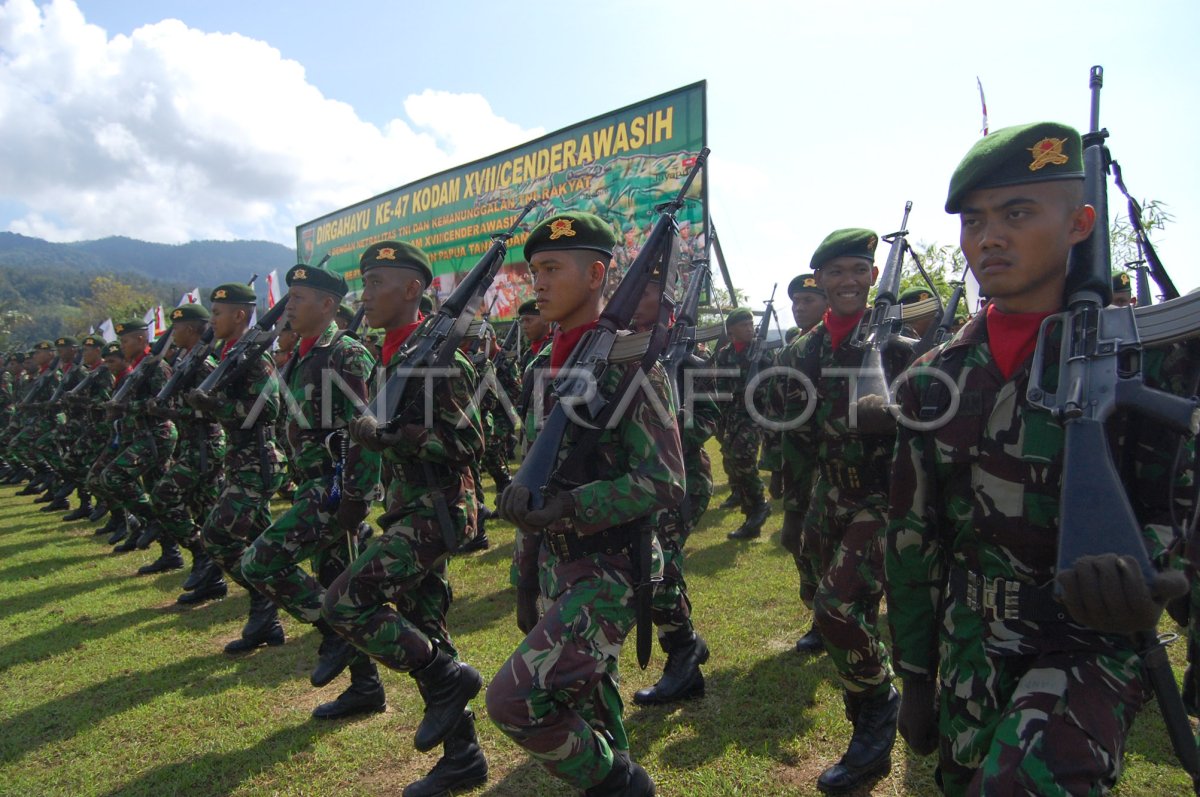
618,166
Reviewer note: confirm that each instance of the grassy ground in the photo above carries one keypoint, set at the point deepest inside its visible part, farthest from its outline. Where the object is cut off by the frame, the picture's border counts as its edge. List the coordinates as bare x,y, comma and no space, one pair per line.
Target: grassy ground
107,688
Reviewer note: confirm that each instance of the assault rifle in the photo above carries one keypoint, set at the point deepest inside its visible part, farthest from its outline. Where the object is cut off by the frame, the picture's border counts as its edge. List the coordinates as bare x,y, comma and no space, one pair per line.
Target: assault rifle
938,334
248,349
36,386
681,343
596,352
133,381
188,366
434,342
511,343
57,395
1100,372
1142,281
757,347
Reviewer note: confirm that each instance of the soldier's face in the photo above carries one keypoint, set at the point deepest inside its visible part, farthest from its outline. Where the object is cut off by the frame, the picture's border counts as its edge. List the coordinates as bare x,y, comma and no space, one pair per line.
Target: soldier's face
42,357
66,354
114,363
390,296
742,331
565,281
309,310
847,282
807,308
1122,299
133,344
228,319
534,327
185,336
1016,239
287,339
91,356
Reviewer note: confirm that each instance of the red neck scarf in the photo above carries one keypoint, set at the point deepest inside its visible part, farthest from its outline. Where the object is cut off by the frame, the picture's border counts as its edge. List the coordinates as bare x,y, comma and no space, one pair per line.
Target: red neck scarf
122,375
229,344
43,369
563,343
536,345
840,326
740,347
395,338
1012,337
140,357
306,345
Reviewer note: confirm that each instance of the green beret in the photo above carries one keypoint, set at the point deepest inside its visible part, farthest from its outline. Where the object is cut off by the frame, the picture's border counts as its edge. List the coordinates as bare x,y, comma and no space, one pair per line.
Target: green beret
93,340
133,325
804,283
426,306
320,278
396,254
190,312
43,345
66,340
529,307
111,349
914,295
1120,282
234,293
1031,153
738,314
345,312
571,230
850,242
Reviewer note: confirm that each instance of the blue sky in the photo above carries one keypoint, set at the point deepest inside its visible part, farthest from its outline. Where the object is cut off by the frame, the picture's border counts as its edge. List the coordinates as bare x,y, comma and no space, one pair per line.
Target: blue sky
819,116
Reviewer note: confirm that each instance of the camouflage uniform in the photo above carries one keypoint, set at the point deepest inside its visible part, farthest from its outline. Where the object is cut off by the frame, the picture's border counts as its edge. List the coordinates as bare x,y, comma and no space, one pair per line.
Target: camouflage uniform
1030,700
34,421
738,433
246,408
846,515
495,459
89,432
309,530
188,489
557,695
509,378
66,430
141,447
391,602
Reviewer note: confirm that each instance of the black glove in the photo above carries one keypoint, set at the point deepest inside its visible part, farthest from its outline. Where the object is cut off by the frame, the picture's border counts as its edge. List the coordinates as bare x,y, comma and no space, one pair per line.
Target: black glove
918,715
200,401
350,513
558,506
364,430
873,416
527,612
1107,593
513,504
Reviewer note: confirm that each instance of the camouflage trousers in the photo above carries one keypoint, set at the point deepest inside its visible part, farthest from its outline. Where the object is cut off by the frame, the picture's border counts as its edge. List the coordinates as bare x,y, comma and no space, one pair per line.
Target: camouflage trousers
242,512
141,458
305,532
557,695
46,448
391,602
670,607
83,450
846,602
739,452
23,445
1047,724
187,492
495,461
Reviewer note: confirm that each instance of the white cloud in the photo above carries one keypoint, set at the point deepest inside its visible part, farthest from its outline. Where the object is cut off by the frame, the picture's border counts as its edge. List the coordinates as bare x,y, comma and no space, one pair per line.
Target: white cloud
172,134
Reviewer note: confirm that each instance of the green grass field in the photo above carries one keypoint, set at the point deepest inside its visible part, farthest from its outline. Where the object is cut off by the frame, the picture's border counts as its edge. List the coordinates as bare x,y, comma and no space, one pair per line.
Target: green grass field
106,688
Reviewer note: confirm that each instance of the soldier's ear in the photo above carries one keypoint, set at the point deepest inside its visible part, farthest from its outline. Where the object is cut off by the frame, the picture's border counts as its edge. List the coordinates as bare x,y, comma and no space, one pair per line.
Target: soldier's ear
1082,221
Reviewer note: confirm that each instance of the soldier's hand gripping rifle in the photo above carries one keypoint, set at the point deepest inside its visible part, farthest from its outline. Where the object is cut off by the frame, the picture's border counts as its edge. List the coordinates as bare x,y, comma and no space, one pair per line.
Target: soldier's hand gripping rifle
60,391
575,388
35,387
130,384
1099,372
186,369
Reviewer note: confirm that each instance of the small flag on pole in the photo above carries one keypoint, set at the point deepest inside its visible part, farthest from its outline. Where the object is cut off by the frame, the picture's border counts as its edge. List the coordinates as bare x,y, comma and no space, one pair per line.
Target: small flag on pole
191,297
982,104
272,289
108,330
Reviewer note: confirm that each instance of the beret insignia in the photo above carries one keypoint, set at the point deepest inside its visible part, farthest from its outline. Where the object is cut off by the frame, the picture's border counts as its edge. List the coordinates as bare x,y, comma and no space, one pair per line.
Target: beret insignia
872,243
176,315
300,274
221,294
120,328
1048,152
383,254
1124,278
809,282
561,228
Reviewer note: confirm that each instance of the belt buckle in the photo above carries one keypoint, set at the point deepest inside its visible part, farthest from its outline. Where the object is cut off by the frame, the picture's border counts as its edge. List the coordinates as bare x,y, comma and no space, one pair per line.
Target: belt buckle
1002,598
973,590
557,541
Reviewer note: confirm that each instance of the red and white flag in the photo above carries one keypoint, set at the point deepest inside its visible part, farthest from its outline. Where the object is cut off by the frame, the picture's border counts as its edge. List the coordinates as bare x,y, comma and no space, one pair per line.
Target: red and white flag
191,297
982,105
273,294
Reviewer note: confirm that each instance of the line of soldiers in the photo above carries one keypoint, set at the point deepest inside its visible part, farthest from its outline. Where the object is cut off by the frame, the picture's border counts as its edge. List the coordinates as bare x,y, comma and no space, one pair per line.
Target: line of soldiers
955,523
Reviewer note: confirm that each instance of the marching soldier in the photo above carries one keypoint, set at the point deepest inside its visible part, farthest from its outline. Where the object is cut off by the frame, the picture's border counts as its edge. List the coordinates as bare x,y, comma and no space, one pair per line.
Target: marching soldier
32,419
1036,696
848,504
534,329
188,489
79,444
392,601
556,696
739,434
336,482
49,445
246,405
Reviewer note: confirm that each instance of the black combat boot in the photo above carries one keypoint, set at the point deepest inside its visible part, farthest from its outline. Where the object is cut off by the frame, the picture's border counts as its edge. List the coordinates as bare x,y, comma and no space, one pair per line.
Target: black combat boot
625,779
363,696
262,626
732,502
35,486
681,678
99,511
211,587
85,507
811,642
56,504
332,656
461,767
120,525
755,518
447,686
480,541
870,753
201,563
134,528
149,534
170,559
